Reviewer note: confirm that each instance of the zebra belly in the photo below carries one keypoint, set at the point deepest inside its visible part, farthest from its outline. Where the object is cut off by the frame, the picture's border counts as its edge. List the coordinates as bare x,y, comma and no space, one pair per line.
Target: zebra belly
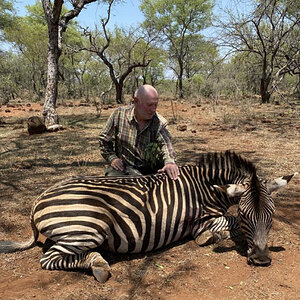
157,238
81,233
93,219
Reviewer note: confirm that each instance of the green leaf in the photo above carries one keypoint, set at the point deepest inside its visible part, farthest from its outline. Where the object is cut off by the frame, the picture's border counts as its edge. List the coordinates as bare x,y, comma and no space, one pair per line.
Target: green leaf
159,266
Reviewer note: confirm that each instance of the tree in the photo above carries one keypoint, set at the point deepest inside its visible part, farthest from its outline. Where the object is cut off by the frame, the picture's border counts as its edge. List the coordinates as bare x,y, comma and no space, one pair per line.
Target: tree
10,74
29,35
6,14
57,24
268,33
122,52
177,20
154,72
73,66
83,75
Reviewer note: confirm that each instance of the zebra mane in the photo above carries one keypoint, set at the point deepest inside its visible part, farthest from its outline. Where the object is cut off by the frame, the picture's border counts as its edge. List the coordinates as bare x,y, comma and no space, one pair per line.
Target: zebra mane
225,160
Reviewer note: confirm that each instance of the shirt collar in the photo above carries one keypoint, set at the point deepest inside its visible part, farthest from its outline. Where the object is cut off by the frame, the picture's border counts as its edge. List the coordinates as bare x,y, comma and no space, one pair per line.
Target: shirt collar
130,116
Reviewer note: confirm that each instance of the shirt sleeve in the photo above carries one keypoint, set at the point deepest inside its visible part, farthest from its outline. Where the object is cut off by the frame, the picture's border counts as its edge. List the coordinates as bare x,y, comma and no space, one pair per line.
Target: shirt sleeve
107,138
165,138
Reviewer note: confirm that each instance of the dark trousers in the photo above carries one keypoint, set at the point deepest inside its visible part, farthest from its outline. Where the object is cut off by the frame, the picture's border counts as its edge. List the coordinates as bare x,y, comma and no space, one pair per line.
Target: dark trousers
128,171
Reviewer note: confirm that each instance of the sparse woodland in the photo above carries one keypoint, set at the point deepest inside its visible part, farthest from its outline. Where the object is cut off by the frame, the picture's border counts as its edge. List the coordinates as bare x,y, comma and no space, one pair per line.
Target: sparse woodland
228,78
187,49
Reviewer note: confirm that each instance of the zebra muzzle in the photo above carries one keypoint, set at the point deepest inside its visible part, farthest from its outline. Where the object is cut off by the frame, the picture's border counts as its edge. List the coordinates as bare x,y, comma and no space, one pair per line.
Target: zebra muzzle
259,257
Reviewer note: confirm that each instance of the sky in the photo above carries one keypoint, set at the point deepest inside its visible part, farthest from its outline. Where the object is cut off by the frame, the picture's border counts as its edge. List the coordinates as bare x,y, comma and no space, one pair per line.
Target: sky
124,14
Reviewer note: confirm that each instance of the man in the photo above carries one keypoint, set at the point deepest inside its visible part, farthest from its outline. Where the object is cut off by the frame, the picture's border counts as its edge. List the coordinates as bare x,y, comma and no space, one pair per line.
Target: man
124,140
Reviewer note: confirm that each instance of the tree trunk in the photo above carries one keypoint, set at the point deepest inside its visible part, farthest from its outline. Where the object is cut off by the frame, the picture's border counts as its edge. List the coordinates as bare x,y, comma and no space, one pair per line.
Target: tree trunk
57,25
180,87
180,79
119,92
36,89
297,89
49,113
52,15
264,93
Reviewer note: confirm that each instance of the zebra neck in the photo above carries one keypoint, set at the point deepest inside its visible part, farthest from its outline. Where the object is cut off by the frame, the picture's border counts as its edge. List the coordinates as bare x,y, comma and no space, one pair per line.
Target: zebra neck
224,168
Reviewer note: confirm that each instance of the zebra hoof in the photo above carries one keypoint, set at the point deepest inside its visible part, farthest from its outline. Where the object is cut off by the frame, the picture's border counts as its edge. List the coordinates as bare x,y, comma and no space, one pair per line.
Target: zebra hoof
206,238
100,274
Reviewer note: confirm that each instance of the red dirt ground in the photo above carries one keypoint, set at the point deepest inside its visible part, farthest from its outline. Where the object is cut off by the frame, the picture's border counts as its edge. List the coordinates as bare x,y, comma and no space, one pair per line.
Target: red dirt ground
266,134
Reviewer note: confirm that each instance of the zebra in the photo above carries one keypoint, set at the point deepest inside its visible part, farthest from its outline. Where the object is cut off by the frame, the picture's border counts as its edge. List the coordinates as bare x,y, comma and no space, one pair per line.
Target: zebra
84,215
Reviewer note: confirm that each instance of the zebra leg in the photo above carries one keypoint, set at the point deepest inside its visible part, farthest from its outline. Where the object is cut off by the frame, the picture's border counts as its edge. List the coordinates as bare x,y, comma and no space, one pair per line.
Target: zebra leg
219,229
60,257
99,266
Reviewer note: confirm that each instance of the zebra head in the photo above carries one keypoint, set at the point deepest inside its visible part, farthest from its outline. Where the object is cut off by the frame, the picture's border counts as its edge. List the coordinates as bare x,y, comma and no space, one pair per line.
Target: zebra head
255,212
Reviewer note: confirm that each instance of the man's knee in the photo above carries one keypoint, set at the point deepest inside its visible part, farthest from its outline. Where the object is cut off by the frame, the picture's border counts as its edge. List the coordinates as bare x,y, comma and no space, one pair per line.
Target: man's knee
132,172
129,171
113,172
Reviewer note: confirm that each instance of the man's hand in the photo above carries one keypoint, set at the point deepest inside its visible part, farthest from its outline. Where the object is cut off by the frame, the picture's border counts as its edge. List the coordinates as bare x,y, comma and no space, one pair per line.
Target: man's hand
171,169
117,164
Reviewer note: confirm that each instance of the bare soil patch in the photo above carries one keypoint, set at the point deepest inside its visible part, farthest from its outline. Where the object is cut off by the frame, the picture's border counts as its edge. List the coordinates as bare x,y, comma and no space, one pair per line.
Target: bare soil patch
269,135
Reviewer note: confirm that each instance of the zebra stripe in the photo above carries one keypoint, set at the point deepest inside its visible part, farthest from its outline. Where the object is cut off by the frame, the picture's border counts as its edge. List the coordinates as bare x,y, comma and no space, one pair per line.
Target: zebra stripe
137,221
141,214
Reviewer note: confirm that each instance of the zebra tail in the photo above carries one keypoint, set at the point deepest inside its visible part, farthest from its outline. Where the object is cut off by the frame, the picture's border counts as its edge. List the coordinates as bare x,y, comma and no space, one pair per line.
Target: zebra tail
13,246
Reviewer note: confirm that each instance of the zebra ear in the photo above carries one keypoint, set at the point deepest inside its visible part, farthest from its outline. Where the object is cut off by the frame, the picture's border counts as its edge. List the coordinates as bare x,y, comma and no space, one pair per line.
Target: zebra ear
278,183
232,190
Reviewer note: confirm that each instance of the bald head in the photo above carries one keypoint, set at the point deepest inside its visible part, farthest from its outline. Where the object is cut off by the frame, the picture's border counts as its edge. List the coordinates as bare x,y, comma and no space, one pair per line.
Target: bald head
146,91
145,102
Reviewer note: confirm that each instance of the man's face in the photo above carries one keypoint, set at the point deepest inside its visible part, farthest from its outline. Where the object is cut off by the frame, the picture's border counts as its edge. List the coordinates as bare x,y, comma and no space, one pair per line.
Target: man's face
145,106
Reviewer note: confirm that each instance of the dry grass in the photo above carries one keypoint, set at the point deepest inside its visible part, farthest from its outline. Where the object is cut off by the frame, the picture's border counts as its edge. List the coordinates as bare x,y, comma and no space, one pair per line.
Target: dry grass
267,134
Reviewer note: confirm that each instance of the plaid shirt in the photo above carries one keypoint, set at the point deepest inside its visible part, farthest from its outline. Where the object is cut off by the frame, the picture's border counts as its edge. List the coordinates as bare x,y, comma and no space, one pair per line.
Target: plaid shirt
122,139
